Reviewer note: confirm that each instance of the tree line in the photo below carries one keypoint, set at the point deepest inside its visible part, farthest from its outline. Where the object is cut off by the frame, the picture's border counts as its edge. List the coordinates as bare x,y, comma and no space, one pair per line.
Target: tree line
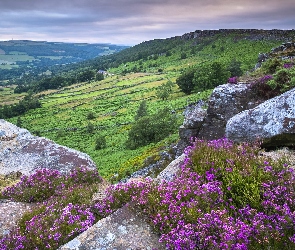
27,103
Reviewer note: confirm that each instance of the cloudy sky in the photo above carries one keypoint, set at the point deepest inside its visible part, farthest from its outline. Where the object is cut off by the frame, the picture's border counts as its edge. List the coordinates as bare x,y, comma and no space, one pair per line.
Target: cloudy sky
133,21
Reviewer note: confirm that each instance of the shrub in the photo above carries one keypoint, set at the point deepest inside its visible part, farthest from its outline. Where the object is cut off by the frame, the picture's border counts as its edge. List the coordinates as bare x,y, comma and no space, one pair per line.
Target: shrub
235,68
210,76
141,111
90,128
152,128
90,116
185,81
37,187
100,142
164,91
263,89
233,80
271,66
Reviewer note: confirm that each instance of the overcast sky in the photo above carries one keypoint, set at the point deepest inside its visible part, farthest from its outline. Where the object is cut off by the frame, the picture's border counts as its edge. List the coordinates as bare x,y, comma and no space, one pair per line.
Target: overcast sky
133,21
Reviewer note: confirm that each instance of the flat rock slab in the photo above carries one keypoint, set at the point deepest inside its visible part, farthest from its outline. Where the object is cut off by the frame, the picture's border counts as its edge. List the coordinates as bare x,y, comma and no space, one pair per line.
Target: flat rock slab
121,231
20,151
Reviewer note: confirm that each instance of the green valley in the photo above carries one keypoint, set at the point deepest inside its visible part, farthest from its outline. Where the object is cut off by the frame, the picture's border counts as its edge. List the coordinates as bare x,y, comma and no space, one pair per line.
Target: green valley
81,115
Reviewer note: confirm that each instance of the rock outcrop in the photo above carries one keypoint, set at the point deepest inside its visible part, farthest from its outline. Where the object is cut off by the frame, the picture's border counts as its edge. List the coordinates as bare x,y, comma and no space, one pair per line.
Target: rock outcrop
122,230
171,170
272,121
20,151
194,116
226,101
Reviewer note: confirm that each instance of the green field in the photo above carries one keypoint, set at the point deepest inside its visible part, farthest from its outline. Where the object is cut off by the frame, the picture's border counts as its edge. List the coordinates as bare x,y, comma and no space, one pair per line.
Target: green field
7,96
8,61
114,101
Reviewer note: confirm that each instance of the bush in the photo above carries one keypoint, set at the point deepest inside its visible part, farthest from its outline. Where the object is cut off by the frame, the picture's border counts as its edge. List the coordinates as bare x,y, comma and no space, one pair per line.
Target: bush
233,80
271,66
141,111
263,89
90,116
90,128
164,91
235,68
62,213
100,142
152,128
210,76
185,81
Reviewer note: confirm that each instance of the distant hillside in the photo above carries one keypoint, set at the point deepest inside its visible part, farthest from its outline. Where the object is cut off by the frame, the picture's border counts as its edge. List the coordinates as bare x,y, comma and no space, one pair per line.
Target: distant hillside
208,44
21,56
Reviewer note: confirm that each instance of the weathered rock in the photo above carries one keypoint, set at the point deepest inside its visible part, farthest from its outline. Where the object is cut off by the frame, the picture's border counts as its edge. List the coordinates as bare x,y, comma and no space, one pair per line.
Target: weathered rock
122,230
170,171
272,121
20,151
226,101
10,213
194,116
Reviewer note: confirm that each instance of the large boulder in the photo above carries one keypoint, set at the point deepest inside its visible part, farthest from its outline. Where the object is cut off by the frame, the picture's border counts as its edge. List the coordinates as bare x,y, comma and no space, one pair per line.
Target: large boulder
272,121
226,101
20,151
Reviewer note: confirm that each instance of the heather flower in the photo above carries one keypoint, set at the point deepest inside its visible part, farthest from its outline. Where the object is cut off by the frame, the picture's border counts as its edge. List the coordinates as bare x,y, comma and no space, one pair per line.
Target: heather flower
288,65
233,80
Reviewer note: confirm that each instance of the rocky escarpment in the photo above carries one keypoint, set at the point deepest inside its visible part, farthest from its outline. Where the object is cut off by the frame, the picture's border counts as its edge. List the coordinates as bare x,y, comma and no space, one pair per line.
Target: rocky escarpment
251,34
20,151
273,121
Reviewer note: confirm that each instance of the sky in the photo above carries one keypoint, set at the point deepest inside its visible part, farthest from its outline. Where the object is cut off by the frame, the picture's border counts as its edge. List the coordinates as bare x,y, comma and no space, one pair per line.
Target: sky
131,22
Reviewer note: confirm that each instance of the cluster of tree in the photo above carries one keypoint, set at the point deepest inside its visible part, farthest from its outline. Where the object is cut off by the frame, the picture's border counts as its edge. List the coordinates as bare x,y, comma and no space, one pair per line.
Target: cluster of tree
207,76
55,82
44,84
150,128
27,103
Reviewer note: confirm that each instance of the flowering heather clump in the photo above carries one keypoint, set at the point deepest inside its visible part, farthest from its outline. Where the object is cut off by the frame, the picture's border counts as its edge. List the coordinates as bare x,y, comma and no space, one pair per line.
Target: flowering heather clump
225,197
45,183
233,80
37,187
263,89
83,175
288,65
63,213
50,228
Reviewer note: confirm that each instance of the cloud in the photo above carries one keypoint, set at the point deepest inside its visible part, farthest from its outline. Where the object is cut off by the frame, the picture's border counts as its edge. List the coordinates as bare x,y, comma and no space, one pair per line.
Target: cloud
133,21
